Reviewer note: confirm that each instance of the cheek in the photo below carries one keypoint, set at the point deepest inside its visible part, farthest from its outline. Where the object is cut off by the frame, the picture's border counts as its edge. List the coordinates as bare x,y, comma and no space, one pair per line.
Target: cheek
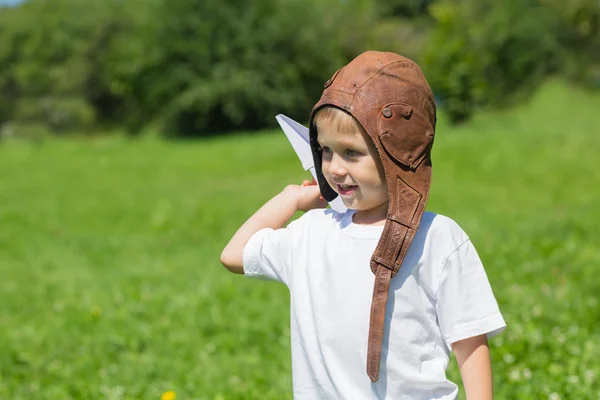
374,175
325,172
383,189
383,192
376,181
325,169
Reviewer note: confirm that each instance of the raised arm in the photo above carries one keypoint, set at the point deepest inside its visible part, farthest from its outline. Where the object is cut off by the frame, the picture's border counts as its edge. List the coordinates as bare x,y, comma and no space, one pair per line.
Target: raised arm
473,357
274,214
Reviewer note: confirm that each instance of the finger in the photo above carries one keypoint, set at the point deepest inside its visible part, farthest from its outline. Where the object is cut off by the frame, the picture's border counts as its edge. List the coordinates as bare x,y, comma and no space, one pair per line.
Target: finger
305,183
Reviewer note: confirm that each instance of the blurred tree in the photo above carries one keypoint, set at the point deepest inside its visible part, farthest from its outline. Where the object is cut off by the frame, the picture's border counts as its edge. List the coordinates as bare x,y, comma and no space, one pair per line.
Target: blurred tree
118,55
41,51
194,67
493,53
223,65
187,66
67,64
579,36
8,58
488,52
405,8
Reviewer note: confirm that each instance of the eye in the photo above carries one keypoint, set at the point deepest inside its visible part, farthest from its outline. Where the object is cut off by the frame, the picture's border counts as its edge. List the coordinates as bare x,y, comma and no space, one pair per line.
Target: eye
352,153
325,150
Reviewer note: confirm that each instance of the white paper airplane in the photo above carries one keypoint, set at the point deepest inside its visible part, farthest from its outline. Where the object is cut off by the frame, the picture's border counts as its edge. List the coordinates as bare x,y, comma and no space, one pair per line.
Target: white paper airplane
297,134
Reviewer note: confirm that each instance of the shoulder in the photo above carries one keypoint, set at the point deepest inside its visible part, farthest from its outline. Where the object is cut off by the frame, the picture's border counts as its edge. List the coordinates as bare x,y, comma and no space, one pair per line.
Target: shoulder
440,231
437,239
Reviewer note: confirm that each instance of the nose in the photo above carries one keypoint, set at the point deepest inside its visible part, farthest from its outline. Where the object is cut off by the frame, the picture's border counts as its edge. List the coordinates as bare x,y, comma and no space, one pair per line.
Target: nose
335,167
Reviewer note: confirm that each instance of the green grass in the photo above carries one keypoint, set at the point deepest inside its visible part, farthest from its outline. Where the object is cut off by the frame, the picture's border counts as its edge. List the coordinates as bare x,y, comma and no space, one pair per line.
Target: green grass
111,286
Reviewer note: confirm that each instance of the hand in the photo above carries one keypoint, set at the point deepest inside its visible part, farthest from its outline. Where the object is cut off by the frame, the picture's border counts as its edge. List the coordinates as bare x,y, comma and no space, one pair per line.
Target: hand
308,196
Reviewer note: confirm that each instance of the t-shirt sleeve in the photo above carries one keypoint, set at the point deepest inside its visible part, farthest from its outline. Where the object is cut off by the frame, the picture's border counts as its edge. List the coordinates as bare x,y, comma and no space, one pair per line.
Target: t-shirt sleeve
268,254
466,305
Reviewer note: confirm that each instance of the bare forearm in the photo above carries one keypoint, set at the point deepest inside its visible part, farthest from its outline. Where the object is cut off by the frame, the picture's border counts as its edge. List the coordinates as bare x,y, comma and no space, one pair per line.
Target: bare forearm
473,356
274,214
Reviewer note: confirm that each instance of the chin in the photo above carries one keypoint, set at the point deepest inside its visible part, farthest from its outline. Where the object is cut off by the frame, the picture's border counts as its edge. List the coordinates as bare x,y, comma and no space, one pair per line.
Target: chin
351,204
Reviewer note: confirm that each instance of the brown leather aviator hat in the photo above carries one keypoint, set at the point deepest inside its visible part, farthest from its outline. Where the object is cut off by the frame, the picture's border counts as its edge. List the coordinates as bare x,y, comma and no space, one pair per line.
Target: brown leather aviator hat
390,97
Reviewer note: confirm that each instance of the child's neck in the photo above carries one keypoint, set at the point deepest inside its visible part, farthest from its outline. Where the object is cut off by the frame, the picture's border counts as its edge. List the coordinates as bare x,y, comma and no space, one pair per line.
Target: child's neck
375,216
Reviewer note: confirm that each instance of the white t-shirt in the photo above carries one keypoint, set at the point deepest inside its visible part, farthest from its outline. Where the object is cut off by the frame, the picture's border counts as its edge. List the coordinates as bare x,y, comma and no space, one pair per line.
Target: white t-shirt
440,295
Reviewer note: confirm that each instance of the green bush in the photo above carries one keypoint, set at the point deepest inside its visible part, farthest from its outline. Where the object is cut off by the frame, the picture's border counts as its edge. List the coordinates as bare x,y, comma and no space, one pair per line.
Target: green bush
579,38
225,65
186,66
56,62
191,68
59,114
494,53
488,52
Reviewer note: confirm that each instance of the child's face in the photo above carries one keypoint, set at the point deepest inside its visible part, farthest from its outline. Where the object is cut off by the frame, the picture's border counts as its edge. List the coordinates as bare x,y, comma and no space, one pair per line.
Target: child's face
352,167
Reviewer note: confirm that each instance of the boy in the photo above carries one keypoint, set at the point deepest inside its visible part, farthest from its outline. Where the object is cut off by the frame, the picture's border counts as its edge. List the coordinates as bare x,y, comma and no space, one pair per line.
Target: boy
385,284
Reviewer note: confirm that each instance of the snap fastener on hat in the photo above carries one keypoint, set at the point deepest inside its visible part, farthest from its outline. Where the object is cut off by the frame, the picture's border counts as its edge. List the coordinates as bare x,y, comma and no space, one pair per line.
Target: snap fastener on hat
387,112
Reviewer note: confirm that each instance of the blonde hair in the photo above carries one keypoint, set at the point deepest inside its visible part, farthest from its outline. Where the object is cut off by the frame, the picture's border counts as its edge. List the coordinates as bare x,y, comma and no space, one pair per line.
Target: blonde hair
338,120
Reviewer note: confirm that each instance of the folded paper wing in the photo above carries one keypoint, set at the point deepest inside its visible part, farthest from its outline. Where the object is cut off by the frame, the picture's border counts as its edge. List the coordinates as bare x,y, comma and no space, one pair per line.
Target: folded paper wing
297,134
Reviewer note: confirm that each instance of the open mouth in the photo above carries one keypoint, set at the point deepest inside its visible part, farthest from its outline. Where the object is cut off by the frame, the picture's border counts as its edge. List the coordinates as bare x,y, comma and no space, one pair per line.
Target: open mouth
346,189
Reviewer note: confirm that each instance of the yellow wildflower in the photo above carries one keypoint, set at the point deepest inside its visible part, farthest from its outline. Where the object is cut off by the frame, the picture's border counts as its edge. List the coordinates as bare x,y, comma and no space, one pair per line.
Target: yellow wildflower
170,395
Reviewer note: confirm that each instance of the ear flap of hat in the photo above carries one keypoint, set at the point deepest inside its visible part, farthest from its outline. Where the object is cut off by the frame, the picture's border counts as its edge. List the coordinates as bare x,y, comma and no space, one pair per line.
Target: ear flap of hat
405,134
326,191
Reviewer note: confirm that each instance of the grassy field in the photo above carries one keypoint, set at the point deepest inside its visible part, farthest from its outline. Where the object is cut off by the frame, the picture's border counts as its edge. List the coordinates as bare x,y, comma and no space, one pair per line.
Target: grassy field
111,286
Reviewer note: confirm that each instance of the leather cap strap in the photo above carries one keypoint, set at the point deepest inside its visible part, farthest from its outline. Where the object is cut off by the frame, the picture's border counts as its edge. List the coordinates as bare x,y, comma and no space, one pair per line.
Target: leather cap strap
376,326
386,261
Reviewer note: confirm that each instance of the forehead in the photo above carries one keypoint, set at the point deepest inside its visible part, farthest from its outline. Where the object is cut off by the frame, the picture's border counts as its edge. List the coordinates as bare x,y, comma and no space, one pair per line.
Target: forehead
330,136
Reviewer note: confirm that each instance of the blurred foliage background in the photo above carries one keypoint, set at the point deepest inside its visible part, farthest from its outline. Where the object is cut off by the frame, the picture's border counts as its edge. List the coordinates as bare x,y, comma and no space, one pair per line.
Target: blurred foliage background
193,68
